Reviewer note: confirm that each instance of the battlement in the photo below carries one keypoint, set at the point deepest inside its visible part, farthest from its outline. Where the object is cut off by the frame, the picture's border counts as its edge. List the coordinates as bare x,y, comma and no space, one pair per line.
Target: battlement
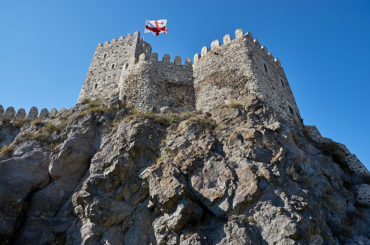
158,85
240,66
227,71
11,113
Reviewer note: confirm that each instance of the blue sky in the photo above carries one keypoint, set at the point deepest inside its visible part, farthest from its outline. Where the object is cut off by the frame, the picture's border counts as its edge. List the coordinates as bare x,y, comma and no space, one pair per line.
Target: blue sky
46,47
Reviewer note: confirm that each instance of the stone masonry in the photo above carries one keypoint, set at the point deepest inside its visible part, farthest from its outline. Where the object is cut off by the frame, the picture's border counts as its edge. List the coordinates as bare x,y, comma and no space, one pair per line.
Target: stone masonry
220,75
106,66
241,66
155,85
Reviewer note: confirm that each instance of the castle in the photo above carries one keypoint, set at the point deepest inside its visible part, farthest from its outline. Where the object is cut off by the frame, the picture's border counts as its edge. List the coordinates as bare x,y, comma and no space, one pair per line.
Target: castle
126,68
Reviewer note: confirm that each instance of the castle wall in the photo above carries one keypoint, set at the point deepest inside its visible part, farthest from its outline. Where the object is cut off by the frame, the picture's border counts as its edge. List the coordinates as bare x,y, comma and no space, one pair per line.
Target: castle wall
230,71
149,84
102,79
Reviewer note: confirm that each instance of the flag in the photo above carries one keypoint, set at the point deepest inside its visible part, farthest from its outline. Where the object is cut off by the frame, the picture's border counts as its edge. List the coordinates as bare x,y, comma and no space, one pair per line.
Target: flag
156,26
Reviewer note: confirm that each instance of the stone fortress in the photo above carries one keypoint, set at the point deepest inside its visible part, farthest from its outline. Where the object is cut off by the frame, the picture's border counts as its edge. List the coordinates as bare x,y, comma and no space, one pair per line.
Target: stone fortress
126,69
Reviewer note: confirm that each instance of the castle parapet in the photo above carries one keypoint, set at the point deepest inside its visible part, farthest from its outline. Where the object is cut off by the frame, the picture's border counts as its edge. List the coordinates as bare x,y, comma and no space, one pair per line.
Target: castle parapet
44,113
9,113
144,83
238,67
33,113
21,114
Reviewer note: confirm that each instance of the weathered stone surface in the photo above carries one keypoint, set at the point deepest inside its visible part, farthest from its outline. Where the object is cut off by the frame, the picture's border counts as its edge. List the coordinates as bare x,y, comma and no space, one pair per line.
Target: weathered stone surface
9,113
20,176
247,172
1,111
33,113
44,113
53,112
21,113
363,194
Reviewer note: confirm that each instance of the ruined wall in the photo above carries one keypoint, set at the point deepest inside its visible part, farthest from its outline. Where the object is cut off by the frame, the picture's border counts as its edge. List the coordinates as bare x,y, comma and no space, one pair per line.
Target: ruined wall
149,84
11,113
230,71
104,72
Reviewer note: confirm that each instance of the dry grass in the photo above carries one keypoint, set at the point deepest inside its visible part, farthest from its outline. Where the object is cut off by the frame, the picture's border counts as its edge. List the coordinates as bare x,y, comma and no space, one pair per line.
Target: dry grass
234,104
20,122
7,150
162,119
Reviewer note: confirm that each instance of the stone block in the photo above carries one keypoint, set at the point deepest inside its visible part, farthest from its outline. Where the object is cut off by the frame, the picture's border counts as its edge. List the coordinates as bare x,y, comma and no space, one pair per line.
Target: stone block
215,44
177,60
21,114
204,51
196,58
62,110
227,38
154,57
33,113
188,61
9,113
44,113
53,112
239,33
166,58
1,111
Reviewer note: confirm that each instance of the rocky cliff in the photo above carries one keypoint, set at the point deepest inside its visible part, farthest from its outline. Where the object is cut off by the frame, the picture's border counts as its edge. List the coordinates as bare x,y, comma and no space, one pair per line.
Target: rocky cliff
99,174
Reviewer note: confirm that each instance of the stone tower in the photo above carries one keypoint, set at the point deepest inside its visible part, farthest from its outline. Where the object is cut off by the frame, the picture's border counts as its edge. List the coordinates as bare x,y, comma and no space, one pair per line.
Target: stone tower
127,68
230,71
102,79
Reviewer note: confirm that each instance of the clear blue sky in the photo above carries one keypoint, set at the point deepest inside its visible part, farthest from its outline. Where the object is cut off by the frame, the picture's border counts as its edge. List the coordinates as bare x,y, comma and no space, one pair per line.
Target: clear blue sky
46,47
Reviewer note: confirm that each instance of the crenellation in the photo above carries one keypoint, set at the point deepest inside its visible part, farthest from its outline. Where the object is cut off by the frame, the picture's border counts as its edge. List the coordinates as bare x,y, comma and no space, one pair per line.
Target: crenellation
264,50
113,40
226,39
215,44
100,44
53,113
239,33
21,114
33,113
154,57
44,113
188,61
9,113
1,111
249,36
177,60
196,58
106,43
204,51
62,110
229,72
257,43
166,58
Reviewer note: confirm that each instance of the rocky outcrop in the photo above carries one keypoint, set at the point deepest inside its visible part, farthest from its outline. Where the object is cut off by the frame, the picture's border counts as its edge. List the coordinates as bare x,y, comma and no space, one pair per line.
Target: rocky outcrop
237,175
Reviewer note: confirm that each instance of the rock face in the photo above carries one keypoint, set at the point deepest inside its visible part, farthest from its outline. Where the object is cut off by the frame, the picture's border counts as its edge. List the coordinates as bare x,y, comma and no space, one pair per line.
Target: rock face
236,175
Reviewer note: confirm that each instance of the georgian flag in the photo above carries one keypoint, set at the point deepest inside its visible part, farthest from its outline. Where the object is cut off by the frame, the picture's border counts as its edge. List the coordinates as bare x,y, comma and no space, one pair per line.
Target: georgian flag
156,26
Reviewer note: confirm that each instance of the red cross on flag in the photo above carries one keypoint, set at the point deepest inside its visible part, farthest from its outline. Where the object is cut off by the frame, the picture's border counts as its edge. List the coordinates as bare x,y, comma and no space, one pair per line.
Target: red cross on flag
156,26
